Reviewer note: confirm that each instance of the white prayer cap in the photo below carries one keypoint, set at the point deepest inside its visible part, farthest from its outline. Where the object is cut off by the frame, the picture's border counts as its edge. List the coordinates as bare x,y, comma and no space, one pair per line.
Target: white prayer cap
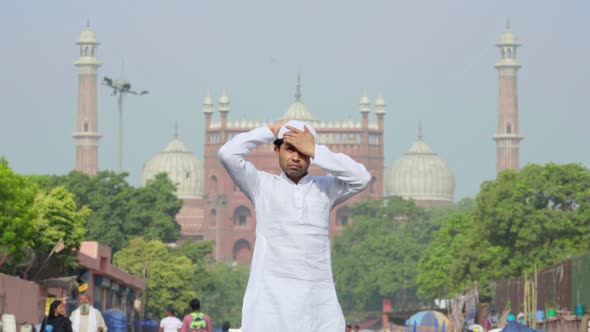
299,125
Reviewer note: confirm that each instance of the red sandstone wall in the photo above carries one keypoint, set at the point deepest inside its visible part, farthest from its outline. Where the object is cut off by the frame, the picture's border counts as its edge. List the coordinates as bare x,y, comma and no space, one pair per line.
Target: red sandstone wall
20,298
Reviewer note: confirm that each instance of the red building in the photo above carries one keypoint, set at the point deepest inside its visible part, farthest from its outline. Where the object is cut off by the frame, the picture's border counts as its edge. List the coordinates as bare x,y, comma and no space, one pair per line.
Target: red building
217,211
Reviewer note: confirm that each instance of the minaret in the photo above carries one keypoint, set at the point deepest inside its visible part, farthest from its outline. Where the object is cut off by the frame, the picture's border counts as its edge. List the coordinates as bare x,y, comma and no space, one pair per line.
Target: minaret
380,110
508,136
208,110
223,110
87,135
365,108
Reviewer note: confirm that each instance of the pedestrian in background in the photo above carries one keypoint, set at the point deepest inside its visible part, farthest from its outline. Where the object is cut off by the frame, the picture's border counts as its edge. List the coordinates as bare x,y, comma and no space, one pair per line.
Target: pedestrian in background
56,321
170,323
196,321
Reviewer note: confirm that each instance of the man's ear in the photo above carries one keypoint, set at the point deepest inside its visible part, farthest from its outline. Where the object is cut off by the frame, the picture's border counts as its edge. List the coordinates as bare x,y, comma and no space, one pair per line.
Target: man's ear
276,149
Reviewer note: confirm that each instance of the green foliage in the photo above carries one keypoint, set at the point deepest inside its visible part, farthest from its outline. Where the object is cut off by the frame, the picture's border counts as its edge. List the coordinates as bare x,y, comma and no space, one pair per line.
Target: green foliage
120,211
377,256
440,271
539,216
222,292
196,251
59,219
169,278
17,216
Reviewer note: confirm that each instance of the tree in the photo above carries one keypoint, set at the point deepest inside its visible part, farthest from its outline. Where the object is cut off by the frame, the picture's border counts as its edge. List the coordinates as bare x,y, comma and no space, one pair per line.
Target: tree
538,216
59,220
17,216
120,211
377,256
169,278
222,293
440,272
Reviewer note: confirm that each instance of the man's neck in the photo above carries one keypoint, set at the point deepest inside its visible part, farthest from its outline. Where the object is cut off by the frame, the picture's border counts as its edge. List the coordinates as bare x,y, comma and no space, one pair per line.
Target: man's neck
296,179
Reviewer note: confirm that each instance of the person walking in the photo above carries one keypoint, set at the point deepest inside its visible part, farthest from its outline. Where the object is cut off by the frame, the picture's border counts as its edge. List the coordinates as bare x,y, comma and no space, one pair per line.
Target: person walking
56,321
86,318
291,287
196,321
170,323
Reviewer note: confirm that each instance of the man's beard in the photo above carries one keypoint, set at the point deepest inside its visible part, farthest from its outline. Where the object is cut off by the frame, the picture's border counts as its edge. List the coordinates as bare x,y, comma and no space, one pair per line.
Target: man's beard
85,309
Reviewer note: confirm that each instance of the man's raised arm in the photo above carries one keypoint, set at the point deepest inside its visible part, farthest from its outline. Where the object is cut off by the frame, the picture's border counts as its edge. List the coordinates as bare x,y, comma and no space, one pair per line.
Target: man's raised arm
232,156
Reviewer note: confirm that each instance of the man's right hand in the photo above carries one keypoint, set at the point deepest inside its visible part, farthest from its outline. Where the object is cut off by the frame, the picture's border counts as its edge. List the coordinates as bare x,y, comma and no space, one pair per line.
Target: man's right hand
275,127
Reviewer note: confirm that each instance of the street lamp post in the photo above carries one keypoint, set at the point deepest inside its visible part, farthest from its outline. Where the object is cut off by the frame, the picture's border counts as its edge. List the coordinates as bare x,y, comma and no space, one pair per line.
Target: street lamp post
121,87
218,202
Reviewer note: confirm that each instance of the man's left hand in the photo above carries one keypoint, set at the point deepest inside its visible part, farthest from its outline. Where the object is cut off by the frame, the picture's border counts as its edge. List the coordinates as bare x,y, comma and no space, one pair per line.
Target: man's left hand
303,141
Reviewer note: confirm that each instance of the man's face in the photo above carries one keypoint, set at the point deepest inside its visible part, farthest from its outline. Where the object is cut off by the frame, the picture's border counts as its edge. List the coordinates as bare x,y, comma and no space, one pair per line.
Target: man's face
84,299
292,162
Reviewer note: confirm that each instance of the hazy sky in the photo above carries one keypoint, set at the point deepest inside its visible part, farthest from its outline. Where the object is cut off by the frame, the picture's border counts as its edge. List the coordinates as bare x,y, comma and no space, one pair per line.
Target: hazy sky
432,60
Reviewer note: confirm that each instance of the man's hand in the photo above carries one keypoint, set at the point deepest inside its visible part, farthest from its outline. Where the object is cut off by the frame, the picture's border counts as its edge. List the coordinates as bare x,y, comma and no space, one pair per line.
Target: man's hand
303,141
275,127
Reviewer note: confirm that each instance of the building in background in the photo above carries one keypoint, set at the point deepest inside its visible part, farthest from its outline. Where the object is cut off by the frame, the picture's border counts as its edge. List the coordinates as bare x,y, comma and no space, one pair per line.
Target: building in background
185,170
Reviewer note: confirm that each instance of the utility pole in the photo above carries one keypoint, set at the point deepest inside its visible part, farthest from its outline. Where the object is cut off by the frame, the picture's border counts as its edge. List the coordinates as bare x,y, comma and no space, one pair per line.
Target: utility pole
121,87
218,202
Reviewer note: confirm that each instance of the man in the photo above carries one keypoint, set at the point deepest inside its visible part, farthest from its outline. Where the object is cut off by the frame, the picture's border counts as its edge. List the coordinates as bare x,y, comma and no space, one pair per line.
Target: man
170,323
291,287
196,321
87,319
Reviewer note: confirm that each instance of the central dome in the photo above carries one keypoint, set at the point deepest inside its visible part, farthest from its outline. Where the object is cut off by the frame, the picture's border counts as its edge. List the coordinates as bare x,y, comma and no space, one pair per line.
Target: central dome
420,174
298,110
183,168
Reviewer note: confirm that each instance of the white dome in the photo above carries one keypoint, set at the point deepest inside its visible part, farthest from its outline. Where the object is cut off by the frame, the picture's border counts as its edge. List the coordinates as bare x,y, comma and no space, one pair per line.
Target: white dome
224,99
87,36
298,111
508,38
183,168
365,99
422,175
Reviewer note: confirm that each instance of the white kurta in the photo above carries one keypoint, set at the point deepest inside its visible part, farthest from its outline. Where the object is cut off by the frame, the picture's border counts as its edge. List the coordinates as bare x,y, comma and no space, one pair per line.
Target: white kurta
291,287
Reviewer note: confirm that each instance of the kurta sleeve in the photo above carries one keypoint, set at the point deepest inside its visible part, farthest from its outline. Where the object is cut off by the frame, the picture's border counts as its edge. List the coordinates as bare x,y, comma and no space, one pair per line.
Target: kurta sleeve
349,176
232,156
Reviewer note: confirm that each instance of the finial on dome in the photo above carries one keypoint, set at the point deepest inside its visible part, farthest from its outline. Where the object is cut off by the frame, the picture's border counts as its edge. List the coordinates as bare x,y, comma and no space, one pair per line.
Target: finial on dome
420,130
298,90
507,23
176,129
88,22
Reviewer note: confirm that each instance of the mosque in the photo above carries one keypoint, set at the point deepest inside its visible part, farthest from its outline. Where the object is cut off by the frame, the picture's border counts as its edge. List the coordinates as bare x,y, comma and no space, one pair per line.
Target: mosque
215,210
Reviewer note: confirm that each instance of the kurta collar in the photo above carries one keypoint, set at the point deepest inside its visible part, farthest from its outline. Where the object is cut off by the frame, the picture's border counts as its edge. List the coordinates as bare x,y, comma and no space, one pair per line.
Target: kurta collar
304,180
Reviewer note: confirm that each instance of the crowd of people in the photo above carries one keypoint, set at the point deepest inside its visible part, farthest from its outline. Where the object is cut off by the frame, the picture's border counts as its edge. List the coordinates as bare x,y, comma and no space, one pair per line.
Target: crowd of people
84,319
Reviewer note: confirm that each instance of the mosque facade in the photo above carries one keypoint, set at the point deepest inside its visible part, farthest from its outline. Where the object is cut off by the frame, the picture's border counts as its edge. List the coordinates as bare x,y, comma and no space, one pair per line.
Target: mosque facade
215,210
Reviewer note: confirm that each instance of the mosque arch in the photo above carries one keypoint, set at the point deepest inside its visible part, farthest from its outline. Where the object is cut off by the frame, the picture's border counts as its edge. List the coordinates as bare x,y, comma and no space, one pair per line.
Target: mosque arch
242,216
343,216
242,251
